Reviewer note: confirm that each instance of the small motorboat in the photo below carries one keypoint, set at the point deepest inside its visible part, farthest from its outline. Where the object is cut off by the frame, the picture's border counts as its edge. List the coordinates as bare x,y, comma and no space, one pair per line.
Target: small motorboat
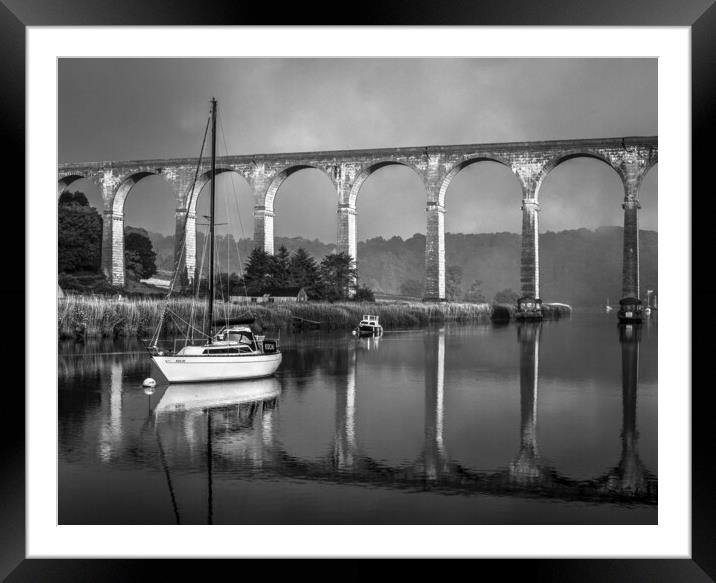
369,326
630,310
528,308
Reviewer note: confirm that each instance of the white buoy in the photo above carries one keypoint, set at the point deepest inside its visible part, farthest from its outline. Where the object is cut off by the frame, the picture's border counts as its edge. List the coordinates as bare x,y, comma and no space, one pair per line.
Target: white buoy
149,382
353,332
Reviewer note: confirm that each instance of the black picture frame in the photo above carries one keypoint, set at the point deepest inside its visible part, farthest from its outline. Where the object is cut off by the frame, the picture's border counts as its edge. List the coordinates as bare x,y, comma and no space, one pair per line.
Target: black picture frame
700,15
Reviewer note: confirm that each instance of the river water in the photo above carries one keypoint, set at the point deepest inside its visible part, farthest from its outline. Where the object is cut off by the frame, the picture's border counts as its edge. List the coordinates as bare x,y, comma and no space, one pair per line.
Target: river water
553,423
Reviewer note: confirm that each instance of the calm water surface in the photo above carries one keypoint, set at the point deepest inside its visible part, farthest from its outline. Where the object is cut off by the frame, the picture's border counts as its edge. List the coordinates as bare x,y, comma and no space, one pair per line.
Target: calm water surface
534,424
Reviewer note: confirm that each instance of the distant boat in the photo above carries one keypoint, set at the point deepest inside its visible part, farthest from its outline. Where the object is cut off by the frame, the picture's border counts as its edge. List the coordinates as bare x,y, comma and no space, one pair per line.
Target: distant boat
630,310
369,326
607,307
529,309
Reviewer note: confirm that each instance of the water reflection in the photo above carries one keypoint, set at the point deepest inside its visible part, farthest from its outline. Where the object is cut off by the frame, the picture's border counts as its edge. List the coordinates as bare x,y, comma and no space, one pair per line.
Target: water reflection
434,458
196,436
111,432
630,475
526,466
344,440
230,421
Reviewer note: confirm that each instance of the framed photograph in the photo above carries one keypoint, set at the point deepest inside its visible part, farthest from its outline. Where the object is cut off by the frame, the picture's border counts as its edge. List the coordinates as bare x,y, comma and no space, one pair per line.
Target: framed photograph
359,292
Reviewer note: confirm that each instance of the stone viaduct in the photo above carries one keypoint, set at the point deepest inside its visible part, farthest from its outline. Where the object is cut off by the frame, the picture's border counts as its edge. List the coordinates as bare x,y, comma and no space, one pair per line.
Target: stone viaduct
630,157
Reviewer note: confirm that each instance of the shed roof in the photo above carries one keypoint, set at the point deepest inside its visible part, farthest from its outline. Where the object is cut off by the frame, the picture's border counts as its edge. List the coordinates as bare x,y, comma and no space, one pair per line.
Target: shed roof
284,292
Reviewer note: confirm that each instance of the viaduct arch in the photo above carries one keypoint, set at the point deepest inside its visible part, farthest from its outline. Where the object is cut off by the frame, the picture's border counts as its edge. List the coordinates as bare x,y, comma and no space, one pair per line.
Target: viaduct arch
630,157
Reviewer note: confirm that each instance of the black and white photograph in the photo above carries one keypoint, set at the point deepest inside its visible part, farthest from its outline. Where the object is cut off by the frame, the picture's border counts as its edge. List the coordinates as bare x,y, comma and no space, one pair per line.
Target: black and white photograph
363,291
384,288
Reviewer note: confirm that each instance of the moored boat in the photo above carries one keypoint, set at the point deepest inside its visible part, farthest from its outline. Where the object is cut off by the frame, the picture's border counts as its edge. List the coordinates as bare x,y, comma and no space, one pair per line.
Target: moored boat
234,352
528,308
369,326
630,310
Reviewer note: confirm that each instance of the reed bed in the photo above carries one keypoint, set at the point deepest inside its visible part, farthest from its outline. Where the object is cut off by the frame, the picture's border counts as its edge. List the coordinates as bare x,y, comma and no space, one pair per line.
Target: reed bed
95,317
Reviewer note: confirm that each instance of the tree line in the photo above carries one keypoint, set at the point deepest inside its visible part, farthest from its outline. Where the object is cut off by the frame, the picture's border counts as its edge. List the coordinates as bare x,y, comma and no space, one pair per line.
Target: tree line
332,279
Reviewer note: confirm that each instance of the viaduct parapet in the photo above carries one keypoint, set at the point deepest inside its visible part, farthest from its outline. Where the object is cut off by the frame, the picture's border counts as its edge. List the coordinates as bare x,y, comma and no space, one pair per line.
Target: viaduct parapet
530,162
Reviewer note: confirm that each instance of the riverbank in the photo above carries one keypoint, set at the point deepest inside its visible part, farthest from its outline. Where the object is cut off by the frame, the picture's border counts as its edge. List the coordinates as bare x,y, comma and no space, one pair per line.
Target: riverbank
96,317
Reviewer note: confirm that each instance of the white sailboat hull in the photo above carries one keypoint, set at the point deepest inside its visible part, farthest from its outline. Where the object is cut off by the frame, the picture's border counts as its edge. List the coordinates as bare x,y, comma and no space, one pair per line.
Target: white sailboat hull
191,369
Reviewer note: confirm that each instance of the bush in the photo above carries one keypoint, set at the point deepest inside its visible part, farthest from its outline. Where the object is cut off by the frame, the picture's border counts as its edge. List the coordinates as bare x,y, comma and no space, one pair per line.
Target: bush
364,294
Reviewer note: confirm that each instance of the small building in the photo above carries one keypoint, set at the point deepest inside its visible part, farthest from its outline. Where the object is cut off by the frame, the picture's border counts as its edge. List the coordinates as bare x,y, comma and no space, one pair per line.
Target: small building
250,299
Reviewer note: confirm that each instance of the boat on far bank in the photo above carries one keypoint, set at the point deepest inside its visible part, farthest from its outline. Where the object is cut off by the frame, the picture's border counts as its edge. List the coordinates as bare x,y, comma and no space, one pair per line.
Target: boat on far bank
369,326
630,310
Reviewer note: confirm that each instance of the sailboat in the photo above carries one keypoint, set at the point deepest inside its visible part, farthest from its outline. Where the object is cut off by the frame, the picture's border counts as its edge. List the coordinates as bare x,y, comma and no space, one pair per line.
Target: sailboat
231,353
607,307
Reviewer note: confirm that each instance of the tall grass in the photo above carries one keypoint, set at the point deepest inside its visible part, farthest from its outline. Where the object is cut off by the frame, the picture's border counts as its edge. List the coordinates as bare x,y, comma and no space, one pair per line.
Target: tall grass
93,317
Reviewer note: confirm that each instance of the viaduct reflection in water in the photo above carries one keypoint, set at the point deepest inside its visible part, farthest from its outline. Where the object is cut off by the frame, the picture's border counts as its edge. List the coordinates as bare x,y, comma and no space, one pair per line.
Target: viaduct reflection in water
630,475
232,430
526,467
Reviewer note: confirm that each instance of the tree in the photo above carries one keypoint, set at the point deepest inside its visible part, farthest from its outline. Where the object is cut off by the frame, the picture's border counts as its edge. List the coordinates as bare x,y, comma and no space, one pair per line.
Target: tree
506,296
474,293
280,264
77,198
453,279
337,277
411,287
258,273
364,294
227,285
139,256
79,234
303,272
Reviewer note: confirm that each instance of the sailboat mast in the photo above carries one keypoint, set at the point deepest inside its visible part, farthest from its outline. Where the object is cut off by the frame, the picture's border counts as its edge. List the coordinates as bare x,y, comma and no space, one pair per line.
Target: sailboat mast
211,218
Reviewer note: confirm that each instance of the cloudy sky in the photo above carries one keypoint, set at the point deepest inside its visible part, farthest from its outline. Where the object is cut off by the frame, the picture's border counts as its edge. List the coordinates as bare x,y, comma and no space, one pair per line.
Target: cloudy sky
124,109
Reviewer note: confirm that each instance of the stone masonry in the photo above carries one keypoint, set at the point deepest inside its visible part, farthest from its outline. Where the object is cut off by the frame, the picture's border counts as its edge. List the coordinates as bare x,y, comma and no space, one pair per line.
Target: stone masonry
630,157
